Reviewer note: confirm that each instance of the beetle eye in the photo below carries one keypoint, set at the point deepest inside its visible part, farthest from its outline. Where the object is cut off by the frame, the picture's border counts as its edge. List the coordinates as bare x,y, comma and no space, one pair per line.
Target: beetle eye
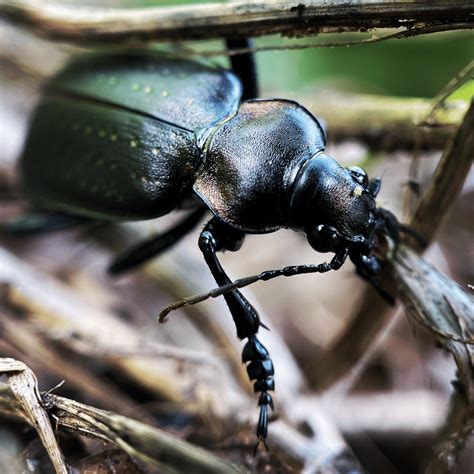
323,238
360,176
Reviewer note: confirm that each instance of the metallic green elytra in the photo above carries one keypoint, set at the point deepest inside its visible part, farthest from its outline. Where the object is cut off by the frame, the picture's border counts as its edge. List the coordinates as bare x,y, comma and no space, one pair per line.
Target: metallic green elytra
117,136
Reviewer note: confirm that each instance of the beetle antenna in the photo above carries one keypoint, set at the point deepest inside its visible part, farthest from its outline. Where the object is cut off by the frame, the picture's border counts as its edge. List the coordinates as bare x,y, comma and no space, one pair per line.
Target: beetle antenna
336,263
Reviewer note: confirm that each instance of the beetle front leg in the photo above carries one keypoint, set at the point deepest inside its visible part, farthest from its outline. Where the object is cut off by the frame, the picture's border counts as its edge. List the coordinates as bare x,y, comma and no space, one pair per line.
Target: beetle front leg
217,236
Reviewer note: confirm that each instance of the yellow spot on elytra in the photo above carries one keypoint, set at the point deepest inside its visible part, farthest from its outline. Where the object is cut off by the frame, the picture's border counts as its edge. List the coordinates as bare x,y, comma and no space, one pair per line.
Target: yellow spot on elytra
135,86
164,94
358,191
147,89
102,133
113,137
155,151
133,143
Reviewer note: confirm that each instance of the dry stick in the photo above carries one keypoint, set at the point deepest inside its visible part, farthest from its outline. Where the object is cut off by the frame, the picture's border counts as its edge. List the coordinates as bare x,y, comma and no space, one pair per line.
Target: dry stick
408,33
447,181
372,317
441,305
27,399
148,443
95,25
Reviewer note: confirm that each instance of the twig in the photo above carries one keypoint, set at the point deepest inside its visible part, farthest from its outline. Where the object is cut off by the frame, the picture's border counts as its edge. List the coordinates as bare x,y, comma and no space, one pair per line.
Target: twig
27,400
95,25
466,74
137,439
438,303
447,181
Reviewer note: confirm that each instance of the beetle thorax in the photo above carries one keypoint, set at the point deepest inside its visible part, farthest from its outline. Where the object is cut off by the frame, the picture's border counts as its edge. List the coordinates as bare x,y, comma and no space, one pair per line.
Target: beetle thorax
252,161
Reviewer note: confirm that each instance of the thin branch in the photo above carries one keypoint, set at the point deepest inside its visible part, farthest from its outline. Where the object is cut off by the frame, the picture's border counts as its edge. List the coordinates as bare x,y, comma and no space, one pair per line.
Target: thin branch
466,74
447,181
200,21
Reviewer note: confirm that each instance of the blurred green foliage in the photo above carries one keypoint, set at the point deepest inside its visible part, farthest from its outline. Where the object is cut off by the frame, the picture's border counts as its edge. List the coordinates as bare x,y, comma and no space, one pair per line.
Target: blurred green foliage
418,67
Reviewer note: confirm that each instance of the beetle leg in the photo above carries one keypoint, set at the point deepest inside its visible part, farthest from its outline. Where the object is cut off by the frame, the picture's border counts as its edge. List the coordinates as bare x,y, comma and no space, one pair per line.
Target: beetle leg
217,236
368,267
244,66
38,222
146,250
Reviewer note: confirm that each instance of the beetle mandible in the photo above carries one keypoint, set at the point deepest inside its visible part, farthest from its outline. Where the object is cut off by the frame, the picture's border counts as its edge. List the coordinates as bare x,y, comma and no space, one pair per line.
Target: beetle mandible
135,135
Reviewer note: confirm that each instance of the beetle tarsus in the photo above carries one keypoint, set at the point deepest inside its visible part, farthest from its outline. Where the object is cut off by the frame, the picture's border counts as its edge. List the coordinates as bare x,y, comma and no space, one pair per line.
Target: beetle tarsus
260,369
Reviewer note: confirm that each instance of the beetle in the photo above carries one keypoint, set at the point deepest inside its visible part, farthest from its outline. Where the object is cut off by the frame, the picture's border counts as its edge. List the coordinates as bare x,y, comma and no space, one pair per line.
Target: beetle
135,135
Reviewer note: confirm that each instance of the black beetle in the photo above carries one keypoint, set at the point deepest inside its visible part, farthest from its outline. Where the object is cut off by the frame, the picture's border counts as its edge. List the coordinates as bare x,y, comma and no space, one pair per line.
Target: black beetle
136,135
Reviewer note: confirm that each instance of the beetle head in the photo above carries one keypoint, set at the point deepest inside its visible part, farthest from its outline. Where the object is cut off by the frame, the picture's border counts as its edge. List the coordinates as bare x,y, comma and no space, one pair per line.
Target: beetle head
336,207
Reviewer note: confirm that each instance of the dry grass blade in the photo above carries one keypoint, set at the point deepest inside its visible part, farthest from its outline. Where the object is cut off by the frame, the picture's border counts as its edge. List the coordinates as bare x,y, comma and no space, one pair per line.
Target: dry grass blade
25,393
137,439
184,22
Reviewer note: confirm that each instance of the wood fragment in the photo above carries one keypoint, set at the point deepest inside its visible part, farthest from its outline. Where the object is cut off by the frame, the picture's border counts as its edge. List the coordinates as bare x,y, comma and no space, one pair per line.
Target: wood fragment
200,21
